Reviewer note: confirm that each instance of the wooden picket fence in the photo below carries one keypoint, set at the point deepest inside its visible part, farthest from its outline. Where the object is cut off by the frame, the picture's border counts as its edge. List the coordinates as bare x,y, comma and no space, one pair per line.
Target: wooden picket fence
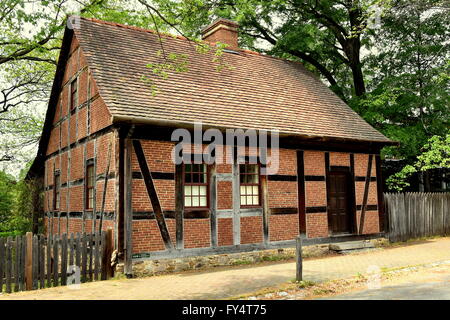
417,214
32,262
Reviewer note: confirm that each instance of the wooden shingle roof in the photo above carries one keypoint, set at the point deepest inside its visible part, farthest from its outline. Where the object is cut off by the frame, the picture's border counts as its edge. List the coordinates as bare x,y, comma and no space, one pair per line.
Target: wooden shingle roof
253,91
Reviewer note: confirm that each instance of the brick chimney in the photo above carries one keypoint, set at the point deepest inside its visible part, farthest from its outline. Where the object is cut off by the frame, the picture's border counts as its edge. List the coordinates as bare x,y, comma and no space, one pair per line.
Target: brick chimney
222,30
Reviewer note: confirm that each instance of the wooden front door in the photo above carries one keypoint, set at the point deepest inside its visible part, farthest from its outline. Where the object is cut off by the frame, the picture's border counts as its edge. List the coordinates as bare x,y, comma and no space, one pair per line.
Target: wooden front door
339,211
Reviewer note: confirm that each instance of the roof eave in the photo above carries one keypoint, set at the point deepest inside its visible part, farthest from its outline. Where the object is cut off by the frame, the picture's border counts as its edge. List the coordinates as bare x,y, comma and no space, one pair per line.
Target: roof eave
189,125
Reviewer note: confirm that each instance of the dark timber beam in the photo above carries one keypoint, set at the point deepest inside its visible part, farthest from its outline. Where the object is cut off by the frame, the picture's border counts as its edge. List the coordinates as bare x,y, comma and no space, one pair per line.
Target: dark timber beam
301,192
353,193
366,195
383,218
179,205
152,194
128,209
105,187
120,135
213,204
327,183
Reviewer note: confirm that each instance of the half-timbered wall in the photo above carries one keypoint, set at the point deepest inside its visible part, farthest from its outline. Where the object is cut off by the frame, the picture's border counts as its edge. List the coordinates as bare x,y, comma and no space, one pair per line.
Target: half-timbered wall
293,201
80,135
231,225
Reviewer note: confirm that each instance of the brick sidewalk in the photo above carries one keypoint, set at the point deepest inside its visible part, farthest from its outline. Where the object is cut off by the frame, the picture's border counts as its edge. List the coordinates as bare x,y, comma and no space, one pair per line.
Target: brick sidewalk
228,282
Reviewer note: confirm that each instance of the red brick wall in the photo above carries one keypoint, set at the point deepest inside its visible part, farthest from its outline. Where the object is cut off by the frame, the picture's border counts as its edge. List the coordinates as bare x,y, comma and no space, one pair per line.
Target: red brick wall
70,127
339,159
371,220
225,231
282,194
197,233
146,236
224,195
251,229
316,225
283,227
314,163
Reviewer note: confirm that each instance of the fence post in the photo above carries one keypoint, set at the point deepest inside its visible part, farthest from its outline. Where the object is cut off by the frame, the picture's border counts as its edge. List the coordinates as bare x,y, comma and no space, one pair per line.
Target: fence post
299,273
109,237
29,262
107,252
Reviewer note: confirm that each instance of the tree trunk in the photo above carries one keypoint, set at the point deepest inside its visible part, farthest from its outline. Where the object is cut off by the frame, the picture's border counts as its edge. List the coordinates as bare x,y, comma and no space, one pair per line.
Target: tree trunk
358,80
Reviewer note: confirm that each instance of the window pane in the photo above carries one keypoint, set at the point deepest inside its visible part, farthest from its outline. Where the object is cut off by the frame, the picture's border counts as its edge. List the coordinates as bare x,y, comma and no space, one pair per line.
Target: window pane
90,176
255,190
195,190
188,202
202,201
248,190
243,201
196,178
249,200
187,190
195,202
202,190
255,200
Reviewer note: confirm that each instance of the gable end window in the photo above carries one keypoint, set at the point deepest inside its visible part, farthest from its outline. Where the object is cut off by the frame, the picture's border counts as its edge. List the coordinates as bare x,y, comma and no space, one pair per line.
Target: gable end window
195,186
73,94
56,191
249,185
90,186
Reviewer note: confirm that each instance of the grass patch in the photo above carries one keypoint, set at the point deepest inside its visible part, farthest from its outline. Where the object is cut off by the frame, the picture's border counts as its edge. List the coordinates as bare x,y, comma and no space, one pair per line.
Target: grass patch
241,262
322,291
275,258
119,276
305,284
412,241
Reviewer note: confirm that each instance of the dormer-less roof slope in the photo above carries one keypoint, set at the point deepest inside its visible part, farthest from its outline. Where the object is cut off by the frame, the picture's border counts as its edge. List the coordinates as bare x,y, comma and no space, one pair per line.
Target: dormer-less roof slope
252,91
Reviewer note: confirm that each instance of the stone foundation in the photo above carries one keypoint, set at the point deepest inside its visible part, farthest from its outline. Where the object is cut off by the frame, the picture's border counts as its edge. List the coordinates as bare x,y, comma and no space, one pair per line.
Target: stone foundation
151,267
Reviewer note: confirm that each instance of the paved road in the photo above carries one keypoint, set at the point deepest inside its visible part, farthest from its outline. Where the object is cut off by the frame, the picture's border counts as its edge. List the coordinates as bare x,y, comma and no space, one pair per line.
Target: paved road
232,281
412,290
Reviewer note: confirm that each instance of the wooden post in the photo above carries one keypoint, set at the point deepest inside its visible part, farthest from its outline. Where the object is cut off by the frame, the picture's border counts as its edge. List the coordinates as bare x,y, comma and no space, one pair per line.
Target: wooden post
299,273
29,262
128,216
105,187
152,194
266,209
109,251
107,270
9,264
213,204
179,206
301,192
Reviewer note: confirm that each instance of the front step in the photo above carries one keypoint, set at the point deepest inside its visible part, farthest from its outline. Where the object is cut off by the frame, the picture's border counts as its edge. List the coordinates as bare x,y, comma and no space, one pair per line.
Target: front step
351,245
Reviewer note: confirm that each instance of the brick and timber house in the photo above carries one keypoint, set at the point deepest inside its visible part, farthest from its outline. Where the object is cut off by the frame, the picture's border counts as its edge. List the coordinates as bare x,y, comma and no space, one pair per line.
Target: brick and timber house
106,152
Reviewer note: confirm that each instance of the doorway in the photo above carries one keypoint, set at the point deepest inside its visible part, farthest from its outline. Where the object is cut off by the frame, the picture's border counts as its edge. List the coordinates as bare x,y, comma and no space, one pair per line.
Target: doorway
340,214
